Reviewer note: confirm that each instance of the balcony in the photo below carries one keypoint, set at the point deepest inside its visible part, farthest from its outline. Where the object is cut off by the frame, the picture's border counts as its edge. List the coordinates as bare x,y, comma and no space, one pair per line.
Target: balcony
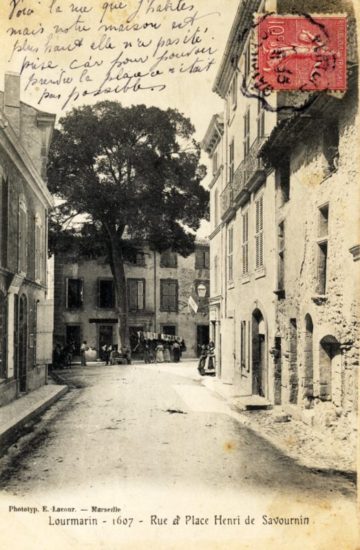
249,174
227,202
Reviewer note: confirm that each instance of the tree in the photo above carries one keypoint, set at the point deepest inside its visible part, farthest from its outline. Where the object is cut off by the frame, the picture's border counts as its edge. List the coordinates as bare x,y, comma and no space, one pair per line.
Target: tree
133,175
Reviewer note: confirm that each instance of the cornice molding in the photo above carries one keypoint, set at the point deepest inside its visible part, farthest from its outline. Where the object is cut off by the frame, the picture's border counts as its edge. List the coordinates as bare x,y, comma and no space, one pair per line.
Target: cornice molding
18,155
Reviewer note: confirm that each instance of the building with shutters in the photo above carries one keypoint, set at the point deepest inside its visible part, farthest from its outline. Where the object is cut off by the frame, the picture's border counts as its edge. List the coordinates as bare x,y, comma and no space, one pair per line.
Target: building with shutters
242,239
26,307
285,233
159,287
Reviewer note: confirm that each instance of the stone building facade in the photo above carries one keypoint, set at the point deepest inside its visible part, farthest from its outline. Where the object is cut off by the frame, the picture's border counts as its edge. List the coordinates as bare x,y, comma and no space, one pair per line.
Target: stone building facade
287,237
159,287
25,305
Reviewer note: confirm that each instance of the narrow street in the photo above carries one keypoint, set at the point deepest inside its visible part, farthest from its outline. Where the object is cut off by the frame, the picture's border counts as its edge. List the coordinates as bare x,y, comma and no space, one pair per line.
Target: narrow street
151,440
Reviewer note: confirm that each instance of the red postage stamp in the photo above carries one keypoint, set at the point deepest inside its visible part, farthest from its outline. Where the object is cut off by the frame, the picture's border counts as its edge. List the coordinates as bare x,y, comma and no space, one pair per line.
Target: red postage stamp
301,53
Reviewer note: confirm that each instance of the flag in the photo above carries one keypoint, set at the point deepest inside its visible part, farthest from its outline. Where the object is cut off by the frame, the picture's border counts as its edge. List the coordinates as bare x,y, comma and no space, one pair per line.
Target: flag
194,306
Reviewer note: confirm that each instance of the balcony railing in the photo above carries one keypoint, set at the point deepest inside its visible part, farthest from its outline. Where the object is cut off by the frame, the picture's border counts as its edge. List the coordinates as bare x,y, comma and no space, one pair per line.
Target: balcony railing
226,200
249,170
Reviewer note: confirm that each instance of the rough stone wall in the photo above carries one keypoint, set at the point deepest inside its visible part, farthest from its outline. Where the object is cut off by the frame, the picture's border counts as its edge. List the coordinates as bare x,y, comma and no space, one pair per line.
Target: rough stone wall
336,313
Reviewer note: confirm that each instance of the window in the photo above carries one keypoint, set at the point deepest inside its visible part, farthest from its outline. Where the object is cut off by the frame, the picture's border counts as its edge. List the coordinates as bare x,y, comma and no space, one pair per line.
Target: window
168,259
281,253
201,258
322,242
39,248
136,294
168,295
22,254
259,234
323,221
215,163
4,208
233,92
138,259
247,61
331,144
245,243
246,132
283,180
106,293
230,254
260,120
216,275
74,293
216,208
243,344
3,330
231,160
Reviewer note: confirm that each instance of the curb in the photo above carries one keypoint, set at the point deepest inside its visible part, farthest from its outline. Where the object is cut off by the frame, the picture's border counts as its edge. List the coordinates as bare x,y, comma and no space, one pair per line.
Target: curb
13,432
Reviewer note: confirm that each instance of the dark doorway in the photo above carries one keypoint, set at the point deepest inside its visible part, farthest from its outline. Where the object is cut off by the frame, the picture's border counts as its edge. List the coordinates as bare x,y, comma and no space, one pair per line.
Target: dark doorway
3,331
22,343
202,337
259,371
308,361
277,371
329,366
168,329
105,335
73,335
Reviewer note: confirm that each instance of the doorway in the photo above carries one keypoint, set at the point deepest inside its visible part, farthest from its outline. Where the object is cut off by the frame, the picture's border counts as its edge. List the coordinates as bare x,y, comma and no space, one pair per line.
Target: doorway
73,335
330,367
259,370
308,360
202,337
22,343
106,333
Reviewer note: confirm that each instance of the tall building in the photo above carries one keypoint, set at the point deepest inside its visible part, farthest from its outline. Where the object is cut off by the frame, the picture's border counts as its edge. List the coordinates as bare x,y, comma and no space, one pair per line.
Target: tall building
167,294
25,305
284,207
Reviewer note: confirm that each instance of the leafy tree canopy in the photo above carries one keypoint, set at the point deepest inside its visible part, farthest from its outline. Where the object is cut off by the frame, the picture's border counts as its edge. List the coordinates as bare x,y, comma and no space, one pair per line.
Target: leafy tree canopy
133,172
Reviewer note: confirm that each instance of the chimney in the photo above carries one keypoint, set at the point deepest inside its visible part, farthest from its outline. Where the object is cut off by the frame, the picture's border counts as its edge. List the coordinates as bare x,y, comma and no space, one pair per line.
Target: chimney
12,100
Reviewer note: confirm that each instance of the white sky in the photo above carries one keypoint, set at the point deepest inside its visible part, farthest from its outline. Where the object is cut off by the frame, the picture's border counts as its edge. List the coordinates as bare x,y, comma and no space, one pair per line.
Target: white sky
190,94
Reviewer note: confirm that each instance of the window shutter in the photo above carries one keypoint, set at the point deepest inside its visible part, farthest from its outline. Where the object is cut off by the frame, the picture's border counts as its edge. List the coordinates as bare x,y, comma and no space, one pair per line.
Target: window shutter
140,294
44,332
132,292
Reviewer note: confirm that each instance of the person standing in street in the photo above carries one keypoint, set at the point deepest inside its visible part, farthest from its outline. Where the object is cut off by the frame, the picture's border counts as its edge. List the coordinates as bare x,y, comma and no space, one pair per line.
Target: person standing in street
83,349
176,351
159,352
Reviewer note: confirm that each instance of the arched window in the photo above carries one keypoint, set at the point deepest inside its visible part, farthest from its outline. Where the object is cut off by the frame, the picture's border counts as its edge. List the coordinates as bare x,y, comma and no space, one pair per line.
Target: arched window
23,222
3,330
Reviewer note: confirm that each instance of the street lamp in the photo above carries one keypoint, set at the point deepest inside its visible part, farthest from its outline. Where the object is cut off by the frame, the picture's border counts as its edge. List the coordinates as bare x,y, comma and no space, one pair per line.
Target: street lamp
201,290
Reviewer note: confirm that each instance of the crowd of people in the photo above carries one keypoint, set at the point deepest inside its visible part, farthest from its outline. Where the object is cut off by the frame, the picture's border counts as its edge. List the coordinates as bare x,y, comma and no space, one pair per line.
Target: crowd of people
206,366
152,351
160,351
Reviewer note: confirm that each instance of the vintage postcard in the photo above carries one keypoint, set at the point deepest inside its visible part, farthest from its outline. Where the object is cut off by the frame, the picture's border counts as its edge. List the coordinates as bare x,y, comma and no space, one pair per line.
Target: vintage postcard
179,274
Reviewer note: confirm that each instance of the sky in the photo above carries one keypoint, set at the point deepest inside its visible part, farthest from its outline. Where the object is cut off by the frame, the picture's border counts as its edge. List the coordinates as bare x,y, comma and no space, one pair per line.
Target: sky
100,46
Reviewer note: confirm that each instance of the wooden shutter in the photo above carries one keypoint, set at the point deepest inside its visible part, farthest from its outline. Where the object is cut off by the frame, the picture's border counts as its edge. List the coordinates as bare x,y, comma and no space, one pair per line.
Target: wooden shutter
132,294
140,294
44,332
259,240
